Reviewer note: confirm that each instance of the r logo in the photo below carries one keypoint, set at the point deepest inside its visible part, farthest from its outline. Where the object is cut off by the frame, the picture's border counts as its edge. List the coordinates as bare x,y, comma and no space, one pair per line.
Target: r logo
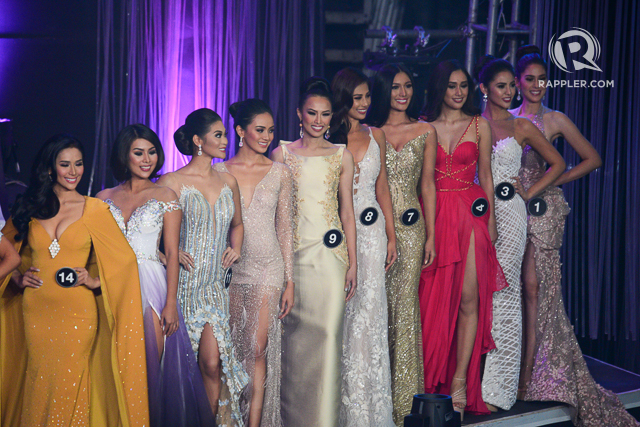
557,52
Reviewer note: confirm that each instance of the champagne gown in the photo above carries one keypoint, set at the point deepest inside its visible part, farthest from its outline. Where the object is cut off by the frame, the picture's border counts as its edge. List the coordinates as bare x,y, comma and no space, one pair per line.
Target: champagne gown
312,340
366,375
265,264
72,356
441,283
403,278
201,291
560,373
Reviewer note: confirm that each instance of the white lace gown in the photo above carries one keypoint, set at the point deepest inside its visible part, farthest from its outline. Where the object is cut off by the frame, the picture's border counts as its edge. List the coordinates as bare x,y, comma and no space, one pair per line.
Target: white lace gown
502,366
366,374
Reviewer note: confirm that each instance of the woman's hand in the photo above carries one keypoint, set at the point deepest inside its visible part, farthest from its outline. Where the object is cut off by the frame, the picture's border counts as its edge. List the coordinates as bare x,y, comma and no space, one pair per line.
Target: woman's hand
229,256
85,279
186,261
520,189
29,279
350,282
169,319
429,252
286,300
392,254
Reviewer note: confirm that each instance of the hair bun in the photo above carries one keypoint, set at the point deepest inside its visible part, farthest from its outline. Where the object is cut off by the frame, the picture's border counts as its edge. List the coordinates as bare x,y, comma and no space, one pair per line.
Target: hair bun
484,60
182,141
526,50
315,85
233,109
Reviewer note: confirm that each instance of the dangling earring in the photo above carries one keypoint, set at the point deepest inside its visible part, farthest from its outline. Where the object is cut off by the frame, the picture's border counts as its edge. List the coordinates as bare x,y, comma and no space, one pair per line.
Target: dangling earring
240,144
301,131
484,98
199,150
518,98
50,177
327,134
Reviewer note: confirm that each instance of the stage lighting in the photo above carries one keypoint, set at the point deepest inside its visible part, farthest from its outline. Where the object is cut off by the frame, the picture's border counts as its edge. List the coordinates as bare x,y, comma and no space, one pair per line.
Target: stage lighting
432,410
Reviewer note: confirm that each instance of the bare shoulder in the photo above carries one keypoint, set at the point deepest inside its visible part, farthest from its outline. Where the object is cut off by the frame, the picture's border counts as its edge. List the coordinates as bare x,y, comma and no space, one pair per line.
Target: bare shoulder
378,134
277,155
523,124
483,124
168,179
424,127
164,194
107,193
558,118
229,179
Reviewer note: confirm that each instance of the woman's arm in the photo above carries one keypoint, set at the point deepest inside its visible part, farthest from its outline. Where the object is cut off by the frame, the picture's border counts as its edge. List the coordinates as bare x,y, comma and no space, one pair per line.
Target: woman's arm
531,135
485,145
9,258
428,191
171,237
383,196
347,217
236,231
563,126
284,230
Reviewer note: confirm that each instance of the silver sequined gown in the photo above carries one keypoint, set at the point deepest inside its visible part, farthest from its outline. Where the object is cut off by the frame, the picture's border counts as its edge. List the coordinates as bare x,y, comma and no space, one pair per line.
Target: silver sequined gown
202,294
560,373
265,264
502,366
366,375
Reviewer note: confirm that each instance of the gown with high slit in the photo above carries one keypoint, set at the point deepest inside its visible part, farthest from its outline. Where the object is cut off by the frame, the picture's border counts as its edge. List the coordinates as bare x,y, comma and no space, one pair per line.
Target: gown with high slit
441,283
176,391
202,293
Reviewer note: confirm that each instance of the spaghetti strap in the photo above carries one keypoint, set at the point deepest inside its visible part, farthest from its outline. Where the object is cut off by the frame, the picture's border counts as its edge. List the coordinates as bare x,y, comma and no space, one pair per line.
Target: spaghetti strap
477,130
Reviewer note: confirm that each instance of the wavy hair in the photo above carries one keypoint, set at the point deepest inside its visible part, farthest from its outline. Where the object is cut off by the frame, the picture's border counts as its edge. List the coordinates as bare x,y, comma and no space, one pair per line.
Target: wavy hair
437,88
381,95
343,85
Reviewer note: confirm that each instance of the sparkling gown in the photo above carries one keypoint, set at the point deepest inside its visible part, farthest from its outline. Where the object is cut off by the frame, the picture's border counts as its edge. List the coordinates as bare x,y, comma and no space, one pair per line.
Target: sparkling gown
403,278
312,339
265,264
560,373
70,356
502,365
176,392
441,283
366,379
201,291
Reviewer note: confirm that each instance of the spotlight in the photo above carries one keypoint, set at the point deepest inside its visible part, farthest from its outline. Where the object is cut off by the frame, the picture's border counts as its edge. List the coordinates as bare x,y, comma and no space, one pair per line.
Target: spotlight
432,410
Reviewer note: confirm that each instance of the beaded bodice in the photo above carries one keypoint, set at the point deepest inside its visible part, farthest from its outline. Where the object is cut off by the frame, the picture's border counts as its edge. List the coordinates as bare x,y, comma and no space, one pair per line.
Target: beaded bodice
456,171
366,174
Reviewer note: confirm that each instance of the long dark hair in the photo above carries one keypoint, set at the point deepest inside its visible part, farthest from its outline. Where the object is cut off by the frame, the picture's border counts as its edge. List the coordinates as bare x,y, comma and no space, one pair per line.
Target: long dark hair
527,55
437,88
198,123
381,95
39,200
120,152
243,113
488,67
342,86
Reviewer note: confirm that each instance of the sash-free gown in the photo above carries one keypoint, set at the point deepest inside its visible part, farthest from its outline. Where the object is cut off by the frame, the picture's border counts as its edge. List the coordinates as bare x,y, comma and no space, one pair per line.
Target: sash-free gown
265,264
176,392
366,376
560,373
441,283
201,291
312,339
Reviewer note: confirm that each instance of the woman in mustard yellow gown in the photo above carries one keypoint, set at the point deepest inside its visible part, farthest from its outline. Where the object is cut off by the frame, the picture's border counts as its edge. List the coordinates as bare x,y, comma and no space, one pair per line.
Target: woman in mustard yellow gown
71,348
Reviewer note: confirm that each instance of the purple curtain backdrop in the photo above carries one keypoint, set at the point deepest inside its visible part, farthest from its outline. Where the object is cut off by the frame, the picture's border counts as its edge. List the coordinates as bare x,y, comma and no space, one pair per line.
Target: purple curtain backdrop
160,60
601,253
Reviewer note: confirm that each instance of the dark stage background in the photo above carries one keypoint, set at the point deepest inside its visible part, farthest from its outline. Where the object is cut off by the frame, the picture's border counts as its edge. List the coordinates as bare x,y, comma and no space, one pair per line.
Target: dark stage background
77,66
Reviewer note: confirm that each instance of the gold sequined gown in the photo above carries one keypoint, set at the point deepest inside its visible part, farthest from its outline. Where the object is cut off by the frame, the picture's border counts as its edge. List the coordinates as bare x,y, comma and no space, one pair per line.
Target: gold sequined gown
560,373
265,264
312,340
60,346
403,278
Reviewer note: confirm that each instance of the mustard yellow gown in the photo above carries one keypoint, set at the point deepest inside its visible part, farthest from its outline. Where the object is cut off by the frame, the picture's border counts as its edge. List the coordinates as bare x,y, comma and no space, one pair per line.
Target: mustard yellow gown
69,356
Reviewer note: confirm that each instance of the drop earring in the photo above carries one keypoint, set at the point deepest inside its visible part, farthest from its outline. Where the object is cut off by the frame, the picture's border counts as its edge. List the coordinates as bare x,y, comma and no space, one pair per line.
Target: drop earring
484,98
199,150
518,98
301,131
240,144
327,135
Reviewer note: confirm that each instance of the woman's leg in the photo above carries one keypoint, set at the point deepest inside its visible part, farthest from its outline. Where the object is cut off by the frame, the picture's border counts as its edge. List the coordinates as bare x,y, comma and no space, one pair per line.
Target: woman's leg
260,372
530,309
210,367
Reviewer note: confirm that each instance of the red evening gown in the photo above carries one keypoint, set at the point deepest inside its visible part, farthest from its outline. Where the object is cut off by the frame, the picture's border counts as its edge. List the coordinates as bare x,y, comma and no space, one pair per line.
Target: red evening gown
441,283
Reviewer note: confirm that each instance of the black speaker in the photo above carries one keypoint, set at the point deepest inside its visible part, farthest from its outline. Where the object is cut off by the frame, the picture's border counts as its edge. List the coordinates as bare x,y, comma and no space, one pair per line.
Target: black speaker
432,410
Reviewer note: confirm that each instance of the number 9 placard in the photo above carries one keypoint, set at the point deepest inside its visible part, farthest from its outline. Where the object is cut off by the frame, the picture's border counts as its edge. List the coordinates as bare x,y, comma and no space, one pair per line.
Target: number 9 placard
332,238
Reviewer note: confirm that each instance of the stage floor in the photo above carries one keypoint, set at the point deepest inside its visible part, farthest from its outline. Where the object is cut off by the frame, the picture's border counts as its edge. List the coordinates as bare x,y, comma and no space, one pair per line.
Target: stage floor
530,414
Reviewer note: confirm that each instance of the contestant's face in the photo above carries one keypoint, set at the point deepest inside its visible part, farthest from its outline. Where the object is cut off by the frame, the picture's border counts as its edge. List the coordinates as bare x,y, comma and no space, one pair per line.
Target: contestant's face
457,90
361,102
214,142
315,116
401,92
69,168
529,83
259,133
143,158
501,89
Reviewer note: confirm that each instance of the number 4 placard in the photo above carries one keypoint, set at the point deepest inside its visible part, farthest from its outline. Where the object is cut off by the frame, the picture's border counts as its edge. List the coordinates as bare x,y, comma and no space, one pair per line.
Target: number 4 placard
480,206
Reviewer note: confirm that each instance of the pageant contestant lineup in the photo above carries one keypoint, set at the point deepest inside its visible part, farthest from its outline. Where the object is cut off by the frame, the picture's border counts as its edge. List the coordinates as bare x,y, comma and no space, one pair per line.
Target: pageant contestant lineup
390,250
